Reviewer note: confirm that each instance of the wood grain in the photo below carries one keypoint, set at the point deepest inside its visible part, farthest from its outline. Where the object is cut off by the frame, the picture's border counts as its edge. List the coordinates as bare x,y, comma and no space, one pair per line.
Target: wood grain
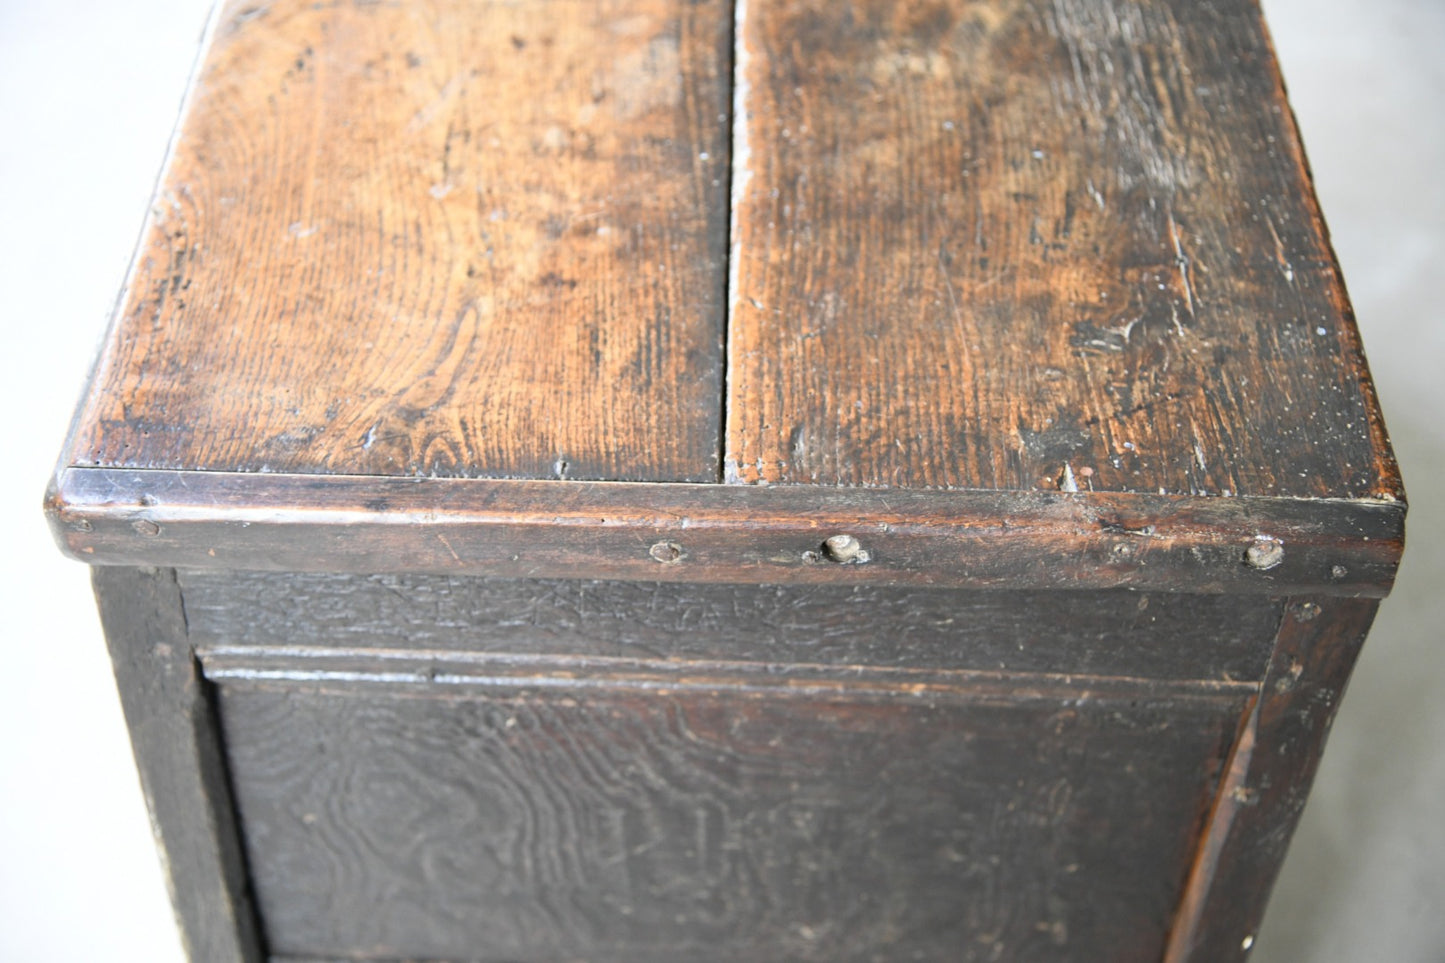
1057,264
724,533
397,822
434,238
1269,779
178,752
1030,297
1130,634
1034,244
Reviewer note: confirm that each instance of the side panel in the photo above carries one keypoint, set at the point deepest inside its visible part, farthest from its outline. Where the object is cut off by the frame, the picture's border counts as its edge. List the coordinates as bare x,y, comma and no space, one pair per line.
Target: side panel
657,818
513,804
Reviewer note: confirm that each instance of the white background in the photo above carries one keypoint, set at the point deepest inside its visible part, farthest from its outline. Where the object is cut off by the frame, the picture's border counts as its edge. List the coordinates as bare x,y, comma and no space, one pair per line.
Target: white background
88,94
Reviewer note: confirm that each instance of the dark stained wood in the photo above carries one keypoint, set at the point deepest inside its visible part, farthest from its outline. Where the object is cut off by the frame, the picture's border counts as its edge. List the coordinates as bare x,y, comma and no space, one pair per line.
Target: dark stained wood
708,823
451,672
182,767
1052,269
1161,636
1269,778
505,585
450,238
1034,244
724,533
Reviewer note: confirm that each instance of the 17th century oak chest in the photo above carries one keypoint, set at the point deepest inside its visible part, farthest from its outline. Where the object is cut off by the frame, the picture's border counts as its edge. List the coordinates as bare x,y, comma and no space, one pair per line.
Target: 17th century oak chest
652,480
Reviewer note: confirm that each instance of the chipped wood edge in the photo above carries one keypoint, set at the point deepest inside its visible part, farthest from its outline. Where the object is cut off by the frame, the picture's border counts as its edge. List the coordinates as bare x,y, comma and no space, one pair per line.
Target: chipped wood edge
721,533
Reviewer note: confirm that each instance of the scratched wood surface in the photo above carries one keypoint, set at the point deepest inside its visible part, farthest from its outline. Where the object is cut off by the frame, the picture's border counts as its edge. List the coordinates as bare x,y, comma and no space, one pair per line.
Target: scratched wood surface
1268,781
1017,244
451,238
1034,244
403,822
1118,634
1053,265
724,533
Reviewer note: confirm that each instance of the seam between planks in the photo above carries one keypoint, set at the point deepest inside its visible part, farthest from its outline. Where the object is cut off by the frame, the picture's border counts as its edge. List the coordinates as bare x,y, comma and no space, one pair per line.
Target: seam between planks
739,175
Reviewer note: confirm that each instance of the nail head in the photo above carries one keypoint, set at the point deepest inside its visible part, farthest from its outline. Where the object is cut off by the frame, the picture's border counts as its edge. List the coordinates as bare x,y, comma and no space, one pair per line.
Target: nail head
667,552
1265,554
845,548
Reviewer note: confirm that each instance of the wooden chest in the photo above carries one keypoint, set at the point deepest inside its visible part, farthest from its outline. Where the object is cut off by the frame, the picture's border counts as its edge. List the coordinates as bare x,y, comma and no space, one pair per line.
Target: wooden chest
652,480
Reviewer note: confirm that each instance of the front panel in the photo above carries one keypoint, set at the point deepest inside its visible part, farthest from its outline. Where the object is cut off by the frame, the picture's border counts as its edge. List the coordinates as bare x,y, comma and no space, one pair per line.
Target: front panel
415,793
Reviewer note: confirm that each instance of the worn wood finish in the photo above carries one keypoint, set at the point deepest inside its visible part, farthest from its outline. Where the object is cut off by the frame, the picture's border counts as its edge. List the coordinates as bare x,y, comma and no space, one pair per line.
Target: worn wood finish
449,238
1034,244
503,542
1027,267
724,533
1269,778
396,821
182,766
1160,636
448,671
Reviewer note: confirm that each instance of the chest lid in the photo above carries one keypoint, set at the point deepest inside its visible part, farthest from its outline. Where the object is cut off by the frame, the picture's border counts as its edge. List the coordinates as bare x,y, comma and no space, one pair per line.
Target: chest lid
1009,292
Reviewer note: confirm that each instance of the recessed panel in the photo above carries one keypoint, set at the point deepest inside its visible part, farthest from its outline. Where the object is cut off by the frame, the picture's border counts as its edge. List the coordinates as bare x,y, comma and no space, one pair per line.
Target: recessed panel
712,822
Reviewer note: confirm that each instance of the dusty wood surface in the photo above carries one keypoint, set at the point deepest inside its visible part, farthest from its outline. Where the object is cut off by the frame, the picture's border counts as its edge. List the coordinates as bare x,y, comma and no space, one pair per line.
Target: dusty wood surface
1030,298
1116,634
173,730
1034,244
712,823
725,533
1010,249
447,238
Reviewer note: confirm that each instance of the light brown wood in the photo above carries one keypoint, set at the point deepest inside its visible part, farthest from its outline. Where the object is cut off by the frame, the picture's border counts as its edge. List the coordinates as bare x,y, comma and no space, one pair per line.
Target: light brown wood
1021,247
1034,244
449,238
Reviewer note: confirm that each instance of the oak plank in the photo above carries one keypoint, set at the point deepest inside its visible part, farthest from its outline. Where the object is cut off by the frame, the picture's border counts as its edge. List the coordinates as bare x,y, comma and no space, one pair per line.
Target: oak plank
1038,245
725,533
178,752
1271,770
616,823
434,238
1115,633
